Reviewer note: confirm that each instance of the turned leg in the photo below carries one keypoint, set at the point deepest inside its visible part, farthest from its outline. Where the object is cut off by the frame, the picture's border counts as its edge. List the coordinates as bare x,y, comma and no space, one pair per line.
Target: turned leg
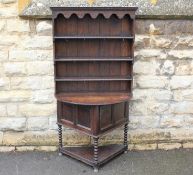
96,154
60,138
125,137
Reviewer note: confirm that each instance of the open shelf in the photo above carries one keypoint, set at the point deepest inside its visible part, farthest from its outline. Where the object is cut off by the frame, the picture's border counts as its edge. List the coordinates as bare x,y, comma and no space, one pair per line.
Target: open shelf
93,70
67,59
93,98
93,37
93,78
85,154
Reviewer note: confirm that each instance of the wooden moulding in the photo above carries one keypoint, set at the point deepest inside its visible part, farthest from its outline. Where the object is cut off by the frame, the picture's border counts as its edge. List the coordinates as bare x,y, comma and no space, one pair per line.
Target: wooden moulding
107,12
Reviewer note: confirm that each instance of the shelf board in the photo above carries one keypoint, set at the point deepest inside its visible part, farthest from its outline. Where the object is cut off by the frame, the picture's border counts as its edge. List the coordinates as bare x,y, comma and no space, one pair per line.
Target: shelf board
93,37
93,78
85,154
93,98
68,59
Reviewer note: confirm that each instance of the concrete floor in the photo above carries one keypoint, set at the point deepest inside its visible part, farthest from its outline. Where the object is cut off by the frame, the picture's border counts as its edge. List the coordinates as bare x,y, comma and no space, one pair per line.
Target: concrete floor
174,162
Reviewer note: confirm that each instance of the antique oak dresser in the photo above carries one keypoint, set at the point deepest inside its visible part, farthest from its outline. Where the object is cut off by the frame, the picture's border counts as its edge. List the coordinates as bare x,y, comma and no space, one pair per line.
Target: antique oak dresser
93,61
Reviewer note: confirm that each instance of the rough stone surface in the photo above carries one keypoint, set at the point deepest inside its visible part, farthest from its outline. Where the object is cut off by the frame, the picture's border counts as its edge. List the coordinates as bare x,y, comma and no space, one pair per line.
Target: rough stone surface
3,56
15,69
7,148
161,110
168,146
16,124
188,145
18,25
146,7
1,138
37,42
12,110
30,55
3,110
152,81
37,123
40,68
145,147
168,68
150,68
36,110
44,28
181,82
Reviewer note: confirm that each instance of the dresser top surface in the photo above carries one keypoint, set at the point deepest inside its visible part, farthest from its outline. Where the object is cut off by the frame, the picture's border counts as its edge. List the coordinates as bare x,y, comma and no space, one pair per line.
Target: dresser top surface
93,98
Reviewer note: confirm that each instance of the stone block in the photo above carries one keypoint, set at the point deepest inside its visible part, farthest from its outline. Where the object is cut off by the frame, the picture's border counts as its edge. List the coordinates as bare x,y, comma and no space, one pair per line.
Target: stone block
12,110
4,83
142,147
7,10
148,107
14,96
144,67
9,40
44,27
152,94
184,68
8,1
151,81
43,96
168,68
188,145
7,148
150,136
184,41
3,56
32,138
1,137
169,146
143,122
36,148
181,82
37,123
15,124
30,55
181,54
32,83
2,25
3,110
18,25
169,121
150,53
142,41
15,69
183,95
36,42
36,110
182,107
40,68
52,123
160,42
44,138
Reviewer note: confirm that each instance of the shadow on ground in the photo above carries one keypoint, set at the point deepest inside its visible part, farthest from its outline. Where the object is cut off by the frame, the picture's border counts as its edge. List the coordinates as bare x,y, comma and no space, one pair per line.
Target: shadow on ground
174,162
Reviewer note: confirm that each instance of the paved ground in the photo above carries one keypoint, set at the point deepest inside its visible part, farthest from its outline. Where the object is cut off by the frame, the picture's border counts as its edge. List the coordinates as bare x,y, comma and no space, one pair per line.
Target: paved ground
175,162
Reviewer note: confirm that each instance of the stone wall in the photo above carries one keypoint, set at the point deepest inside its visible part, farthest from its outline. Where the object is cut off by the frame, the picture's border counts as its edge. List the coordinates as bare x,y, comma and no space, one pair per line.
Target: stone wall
161,114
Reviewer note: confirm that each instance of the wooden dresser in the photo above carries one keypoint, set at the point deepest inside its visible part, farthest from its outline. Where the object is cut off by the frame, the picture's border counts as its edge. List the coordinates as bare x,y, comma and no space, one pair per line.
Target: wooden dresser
93,60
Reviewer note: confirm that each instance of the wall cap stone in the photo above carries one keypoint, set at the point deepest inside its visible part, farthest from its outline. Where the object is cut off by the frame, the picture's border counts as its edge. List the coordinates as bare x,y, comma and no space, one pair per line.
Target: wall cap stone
162,9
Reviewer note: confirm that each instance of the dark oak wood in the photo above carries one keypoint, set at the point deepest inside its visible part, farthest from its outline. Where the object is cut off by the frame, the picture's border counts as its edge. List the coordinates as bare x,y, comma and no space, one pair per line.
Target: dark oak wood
85,154
93,68
93,98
